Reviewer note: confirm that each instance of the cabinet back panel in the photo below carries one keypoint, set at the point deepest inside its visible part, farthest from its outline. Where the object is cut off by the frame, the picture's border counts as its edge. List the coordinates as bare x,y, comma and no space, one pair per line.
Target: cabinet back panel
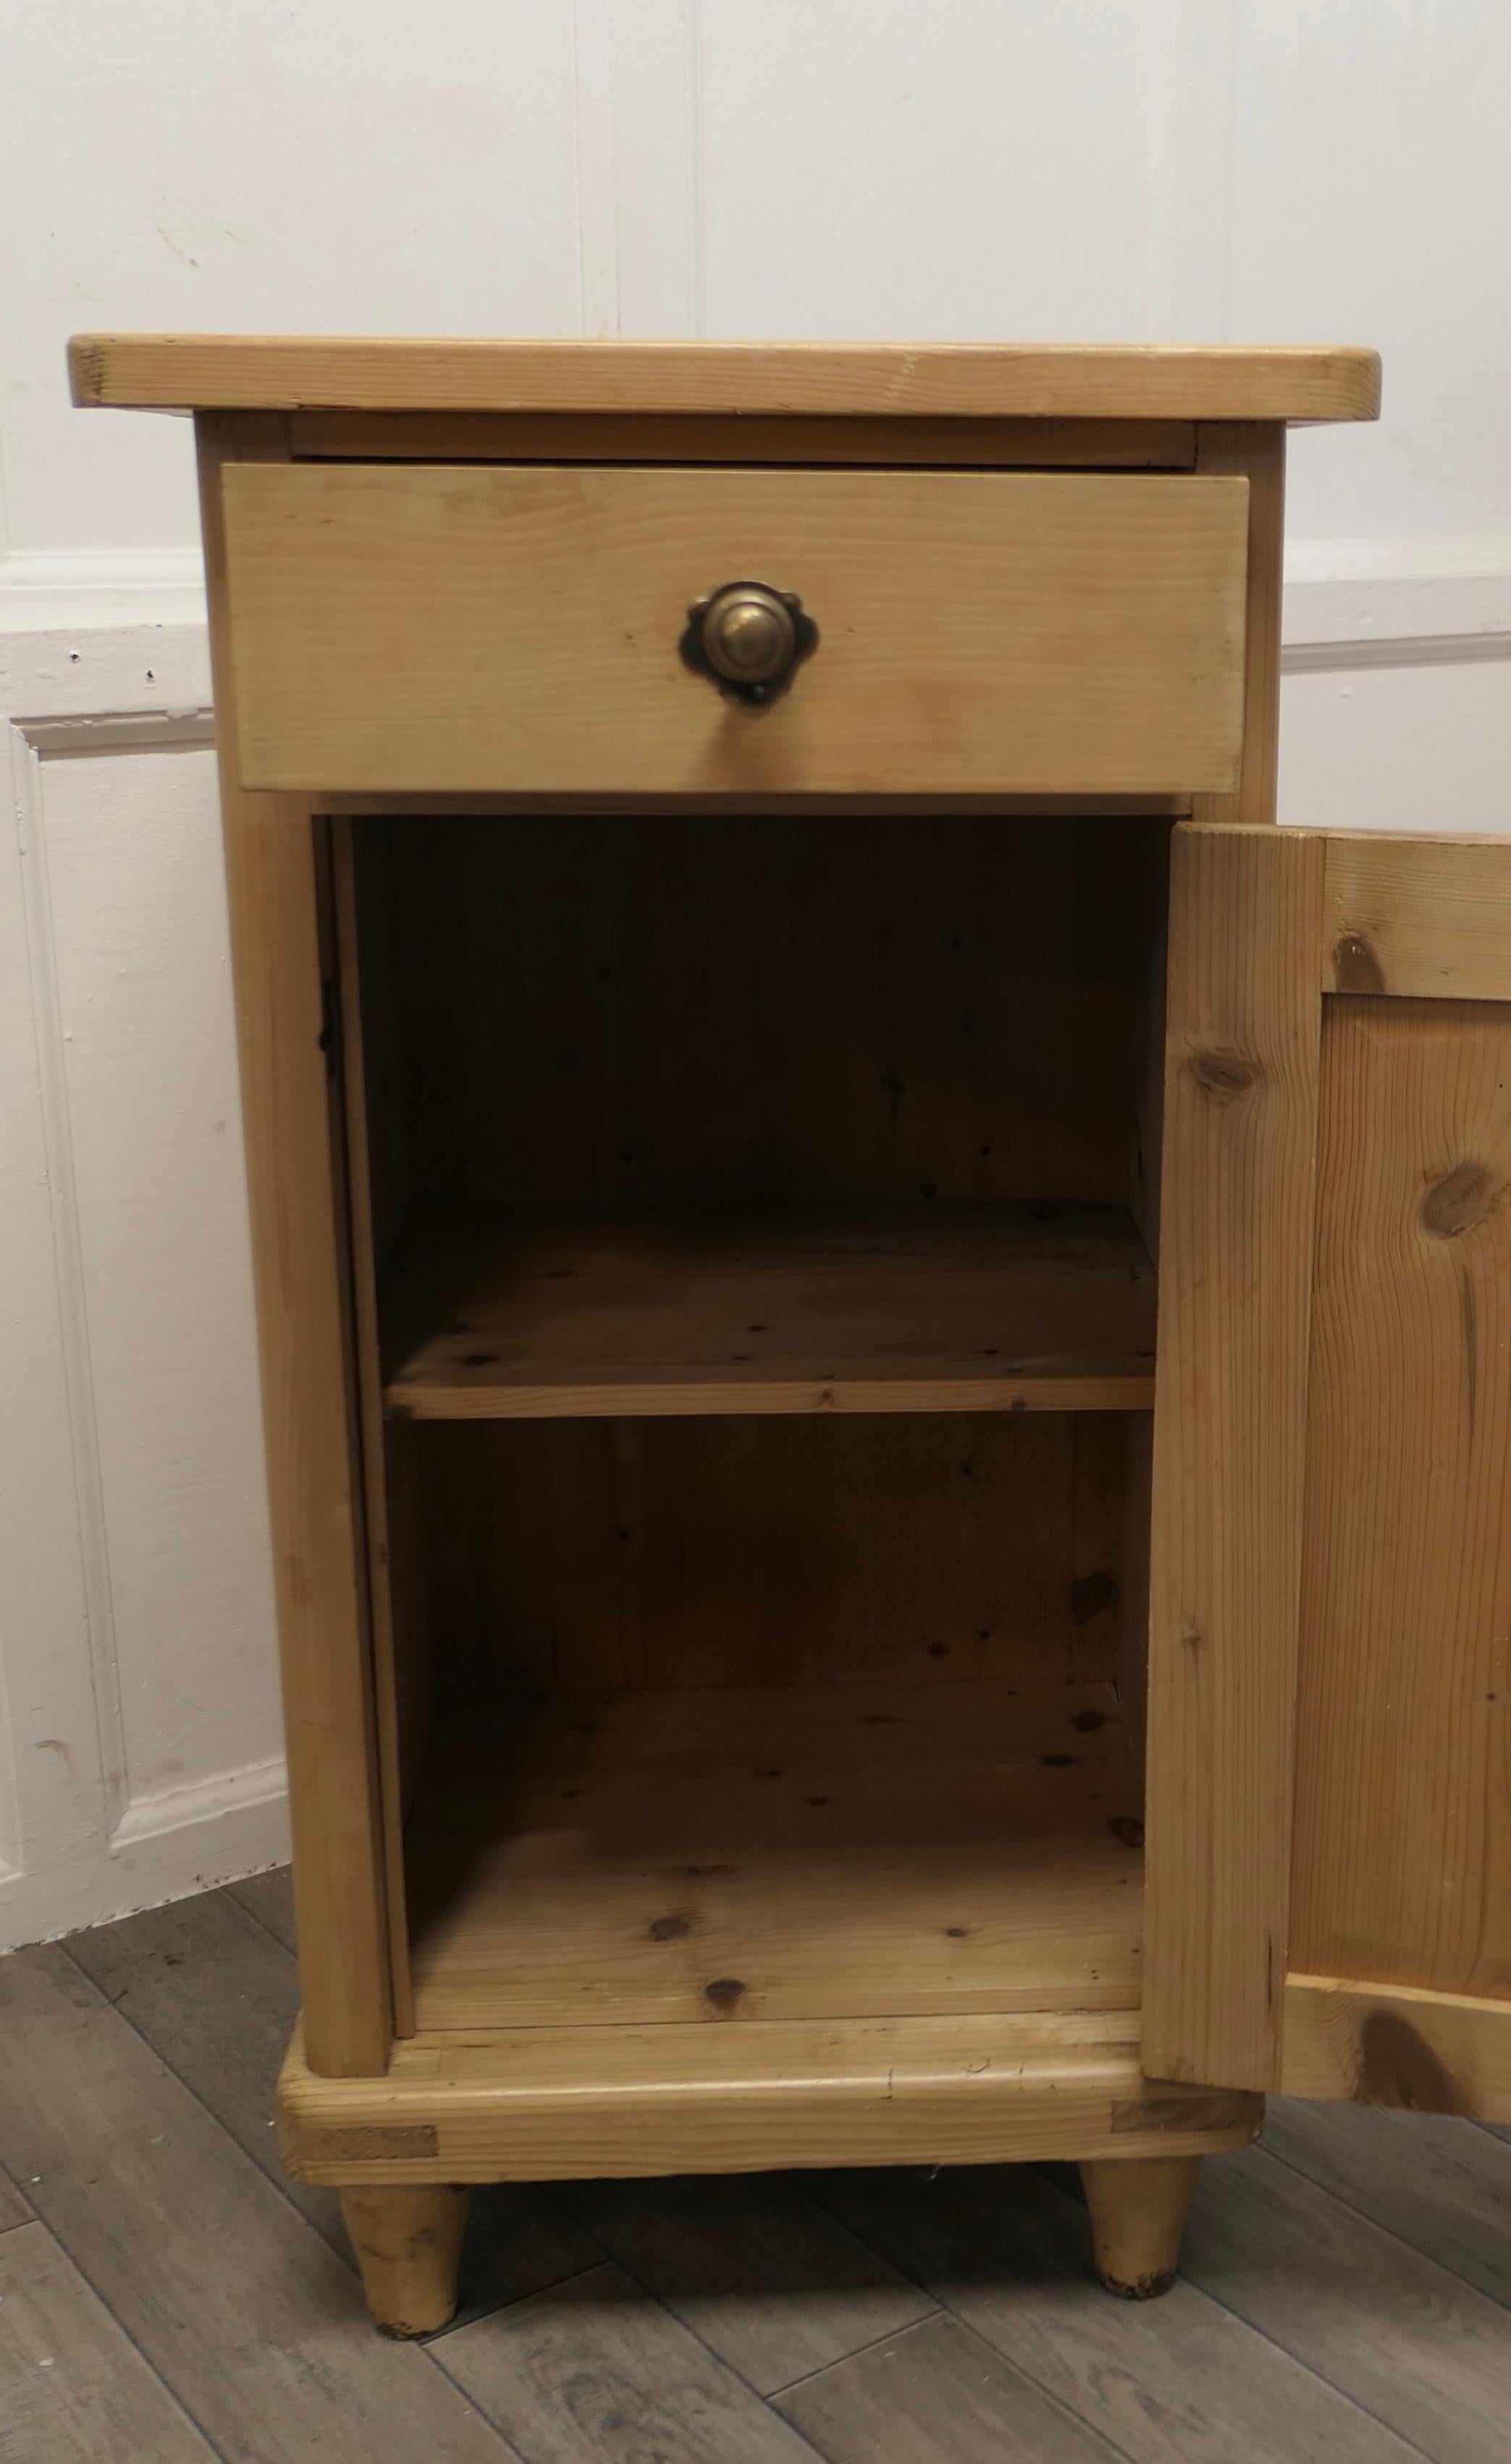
616,1013
1403,1758
620,1012
752,1553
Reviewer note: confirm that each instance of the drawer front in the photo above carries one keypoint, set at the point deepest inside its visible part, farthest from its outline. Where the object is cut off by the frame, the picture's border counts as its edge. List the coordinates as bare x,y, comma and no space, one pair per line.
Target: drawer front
412,630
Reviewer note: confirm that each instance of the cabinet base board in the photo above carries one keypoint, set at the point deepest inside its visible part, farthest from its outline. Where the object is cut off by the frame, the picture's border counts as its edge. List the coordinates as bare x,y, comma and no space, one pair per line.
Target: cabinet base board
547,2103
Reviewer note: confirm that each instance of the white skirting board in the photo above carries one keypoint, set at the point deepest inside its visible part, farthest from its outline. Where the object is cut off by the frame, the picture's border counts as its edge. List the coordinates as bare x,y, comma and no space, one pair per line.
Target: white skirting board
167,1847
138,1727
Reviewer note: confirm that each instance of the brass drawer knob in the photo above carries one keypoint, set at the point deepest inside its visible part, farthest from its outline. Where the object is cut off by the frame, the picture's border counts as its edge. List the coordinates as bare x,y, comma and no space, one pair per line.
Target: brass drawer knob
747,639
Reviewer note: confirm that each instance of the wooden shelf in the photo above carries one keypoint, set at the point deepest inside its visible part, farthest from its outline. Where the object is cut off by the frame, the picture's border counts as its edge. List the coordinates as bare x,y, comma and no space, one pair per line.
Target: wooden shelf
722,1856
917,1309
918,1908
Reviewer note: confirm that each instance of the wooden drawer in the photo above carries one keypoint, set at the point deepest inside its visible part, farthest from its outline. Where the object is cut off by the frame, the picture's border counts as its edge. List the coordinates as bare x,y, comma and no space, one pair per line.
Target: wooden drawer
412,630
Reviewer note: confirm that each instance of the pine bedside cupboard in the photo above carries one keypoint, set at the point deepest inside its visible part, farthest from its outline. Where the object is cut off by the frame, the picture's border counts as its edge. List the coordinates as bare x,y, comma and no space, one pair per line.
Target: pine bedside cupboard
886,1316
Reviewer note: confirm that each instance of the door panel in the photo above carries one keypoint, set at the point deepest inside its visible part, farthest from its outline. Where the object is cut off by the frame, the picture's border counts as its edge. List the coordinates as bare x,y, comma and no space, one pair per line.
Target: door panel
1402,1741
1235,1281
1358,1758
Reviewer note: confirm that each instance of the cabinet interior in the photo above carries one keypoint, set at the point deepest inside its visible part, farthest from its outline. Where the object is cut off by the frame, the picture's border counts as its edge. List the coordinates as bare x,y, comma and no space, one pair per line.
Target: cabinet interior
757,1324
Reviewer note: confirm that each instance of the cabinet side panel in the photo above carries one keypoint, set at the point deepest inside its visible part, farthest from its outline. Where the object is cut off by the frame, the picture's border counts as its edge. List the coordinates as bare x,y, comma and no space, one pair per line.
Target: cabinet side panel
1258,454
374,1173
296,1214
1235,1237
1403,1807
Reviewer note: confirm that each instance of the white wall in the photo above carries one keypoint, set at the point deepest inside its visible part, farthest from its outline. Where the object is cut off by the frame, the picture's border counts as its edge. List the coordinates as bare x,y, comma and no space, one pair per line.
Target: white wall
1146,170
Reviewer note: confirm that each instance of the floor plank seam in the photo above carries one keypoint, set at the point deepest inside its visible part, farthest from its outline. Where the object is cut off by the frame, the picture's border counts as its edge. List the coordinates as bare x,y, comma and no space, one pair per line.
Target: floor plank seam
1098,2440
1500,2130
152,2368
558,2284
276,2177
944,2308
272,2183
718,2359
1390,2428
275,2181
228,1892
1345,2394
1070,2194
1429,2258
249,1917
825,2422
873,2344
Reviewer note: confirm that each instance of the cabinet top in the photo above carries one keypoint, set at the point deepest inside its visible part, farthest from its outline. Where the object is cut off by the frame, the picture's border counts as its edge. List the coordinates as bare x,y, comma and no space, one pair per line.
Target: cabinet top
837,380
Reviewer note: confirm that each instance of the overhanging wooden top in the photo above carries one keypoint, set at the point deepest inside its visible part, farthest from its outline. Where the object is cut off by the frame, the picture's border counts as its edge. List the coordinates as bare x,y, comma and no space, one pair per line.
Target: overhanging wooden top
838,380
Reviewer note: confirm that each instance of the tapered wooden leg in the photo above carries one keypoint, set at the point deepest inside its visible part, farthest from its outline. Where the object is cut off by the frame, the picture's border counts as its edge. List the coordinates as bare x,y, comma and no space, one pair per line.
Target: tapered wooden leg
1138,2213
408,2245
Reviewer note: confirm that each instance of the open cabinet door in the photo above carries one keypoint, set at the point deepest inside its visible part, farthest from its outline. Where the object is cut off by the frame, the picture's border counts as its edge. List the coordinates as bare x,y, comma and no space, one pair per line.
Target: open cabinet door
1329,1780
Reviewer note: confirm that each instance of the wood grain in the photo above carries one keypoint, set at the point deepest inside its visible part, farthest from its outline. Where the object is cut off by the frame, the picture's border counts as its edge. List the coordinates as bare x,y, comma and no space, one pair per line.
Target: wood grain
1228,1470
892,380
294,1183
412,627
607,437
1422,2051
724,1862
1257,453
73,2387
820,1550
370,924
1402,1804
923,1308
542,2102
1133,1608
656,1731
639,1015
622,1017
1418,918
1138,2214
499,803
407,2238
1102,1474
365,1127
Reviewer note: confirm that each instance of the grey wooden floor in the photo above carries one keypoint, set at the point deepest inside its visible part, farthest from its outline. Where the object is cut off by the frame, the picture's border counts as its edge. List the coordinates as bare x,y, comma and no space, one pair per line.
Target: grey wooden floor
165,2295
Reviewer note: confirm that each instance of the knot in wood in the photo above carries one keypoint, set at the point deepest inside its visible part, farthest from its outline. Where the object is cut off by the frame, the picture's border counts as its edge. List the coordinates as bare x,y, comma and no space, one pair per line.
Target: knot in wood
1398,2067
1224,1076
1463,1199
1355,968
